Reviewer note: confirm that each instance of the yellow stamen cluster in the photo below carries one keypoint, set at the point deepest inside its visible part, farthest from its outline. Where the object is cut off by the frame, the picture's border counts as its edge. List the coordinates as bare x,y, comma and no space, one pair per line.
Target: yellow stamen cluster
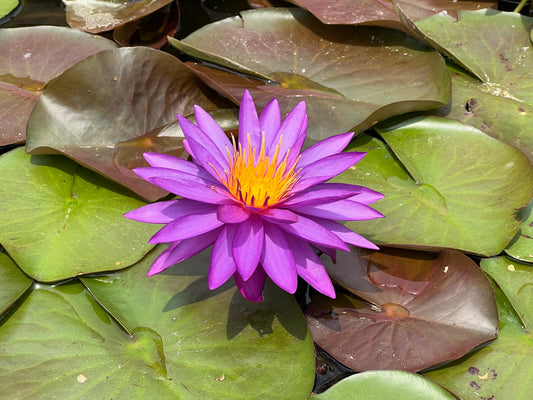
257,180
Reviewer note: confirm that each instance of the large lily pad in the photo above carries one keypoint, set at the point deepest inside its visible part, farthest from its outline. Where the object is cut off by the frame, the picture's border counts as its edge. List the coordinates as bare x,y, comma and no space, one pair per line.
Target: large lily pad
91,116
104,15
420,309
501,370
59,220
30,58
446,185
349,76
496,48
385,385
414,10
184,341
13,284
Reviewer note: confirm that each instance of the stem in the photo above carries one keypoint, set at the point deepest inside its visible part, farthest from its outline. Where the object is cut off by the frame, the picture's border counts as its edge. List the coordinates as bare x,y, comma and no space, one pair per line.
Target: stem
520,6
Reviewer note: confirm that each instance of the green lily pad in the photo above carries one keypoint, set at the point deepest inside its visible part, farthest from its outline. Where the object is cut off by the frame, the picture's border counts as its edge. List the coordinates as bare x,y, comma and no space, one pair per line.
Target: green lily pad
216,343
349,76
91,117
13,284
446,185
175,339
6,6
420,309
59,220
30,58
104,15
385,385
501,370
521,247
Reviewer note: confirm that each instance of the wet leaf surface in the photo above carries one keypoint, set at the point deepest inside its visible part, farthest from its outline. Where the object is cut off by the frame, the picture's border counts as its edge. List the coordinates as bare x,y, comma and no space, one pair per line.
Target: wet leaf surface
13,284
419,309
174,339
385,385
104,15
92,117
501,370
59,220
414,10
30,58
349,76
446,185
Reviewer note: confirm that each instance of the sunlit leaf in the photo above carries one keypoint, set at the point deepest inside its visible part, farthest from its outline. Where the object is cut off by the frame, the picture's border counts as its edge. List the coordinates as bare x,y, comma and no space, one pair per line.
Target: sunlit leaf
349,76
501,370
414,10
13,283
420,309
6,6
446,185
59,220
104,15
385,385
30,58
521,247
90,116
186,341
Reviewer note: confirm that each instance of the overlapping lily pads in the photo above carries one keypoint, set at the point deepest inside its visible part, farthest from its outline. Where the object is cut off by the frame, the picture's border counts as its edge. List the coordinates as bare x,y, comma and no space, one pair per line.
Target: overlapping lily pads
419,309
385,385
503,368
13,283
59,220
91,116
349,76
446,185
30,58
172,338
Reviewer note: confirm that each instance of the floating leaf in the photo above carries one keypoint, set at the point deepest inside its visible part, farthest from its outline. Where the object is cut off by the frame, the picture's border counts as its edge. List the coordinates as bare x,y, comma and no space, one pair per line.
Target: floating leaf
90,116
13,284
349,76
7,6
414,10
457,188
104,15
420,309
521,247
385,385
501,370
186,341
30,58
59,220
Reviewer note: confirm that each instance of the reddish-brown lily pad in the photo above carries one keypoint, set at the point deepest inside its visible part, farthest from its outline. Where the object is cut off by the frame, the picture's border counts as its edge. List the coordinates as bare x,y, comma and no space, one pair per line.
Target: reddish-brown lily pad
30,57
108,109
413,10
418,309
350,77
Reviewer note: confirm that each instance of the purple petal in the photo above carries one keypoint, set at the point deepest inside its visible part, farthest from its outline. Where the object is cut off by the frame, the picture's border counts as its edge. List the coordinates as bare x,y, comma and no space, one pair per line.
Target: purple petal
278,215
187,227
247,246
342,210
277,259
309,266
208,125
249,123
184,249
192,189
186,167
188,148
323,193
291,129
346,234
160,160
163,212
367,196
222,265
160,263
206,152
252,289
327,147
232,213
325,169
270,120
296,148
308,229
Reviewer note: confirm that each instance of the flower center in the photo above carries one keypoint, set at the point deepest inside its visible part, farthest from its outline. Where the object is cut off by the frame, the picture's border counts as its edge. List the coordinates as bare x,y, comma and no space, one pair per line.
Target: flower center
256,179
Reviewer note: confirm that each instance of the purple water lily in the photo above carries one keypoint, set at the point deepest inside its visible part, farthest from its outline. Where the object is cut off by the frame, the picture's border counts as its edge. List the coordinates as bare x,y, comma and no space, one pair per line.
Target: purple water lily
264,206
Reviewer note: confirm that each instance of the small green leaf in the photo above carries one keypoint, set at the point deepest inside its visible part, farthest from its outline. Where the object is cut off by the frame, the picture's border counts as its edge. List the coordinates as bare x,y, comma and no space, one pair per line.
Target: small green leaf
59,220
6,6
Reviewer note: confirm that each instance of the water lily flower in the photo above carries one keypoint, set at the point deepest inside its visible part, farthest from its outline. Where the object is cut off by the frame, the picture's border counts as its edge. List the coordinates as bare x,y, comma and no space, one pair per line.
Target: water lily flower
262,204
